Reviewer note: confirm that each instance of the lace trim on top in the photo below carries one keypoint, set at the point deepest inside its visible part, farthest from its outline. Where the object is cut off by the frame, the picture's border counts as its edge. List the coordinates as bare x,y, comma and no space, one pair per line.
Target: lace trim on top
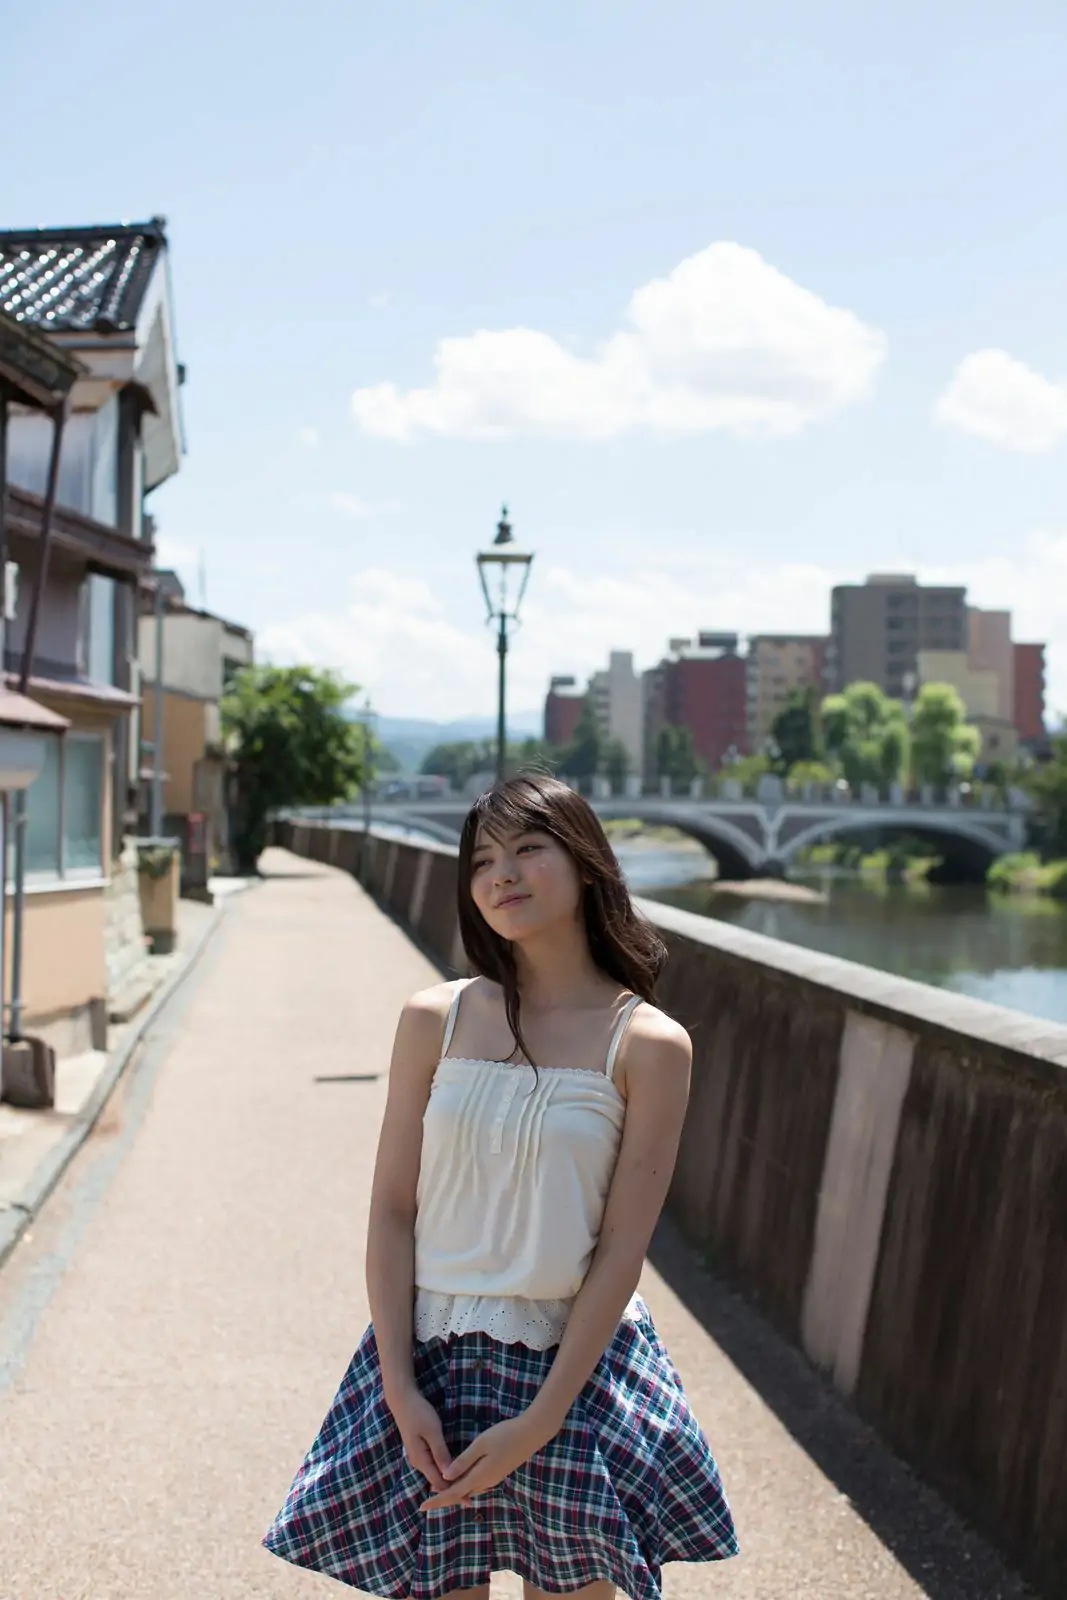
519,1066
538,1324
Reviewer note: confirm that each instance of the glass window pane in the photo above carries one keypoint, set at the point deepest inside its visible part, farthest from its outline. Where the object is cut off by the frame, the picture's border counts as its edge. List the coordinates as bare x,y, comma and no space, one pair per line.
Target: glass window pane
83,812
101,662
42,816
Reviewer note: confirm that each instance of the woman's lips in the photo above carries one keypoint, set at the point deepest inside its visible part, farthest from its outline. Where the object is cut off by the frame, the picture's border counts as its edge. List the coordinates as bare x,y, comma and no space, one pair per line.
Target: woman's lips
512,900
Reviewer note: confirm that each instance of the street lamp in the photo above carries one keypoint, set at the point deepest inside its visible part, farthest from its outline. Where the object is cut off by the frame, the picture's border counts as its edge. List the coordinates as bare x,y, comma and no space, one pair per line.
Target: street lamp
504,571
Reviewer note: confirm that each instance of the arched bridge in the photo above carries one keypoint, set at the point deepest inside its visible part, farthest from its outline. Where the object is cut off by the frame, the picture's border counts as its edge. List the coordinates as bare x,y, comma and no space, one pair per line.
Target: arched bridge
749,838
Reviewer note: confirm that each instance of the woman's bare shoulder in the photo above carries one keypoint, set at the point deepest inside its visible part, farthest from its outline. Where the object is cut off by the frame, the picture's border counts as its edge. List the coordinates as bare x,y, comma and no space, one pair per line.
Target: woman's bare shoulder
431,1002
654,1038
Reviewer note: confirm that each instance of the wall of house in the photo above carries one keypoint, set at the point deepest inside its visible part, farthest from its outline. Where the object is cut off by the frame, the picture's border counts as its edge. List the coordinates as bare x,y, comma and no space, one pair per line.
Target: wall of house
183,744
879,1165
192,653
64,964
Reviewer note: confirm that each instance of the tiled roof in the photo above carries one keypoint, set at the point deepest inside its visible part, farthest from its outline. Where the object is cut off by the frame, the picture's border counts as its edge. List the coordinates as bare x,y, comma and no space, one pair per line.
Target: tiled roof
77,280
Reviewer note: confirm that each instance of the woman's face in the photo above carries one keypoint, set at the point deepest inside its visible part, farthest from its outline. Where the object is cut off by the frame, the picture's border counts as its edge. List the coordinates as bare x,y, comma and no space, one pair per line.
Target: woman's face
524,883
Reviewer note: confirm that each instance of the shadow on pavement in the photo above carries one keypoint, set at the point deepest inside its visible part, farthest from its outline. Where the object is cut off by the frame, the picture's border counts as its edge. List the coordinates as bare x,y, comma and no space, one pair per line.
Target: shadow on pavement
947,1558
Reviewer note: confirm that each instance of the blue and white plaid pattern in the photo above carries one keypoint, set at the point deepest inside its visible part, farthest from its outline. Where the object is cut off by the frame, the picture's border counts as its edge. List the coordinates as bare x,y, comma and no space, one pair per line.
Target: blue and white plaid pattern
627,1484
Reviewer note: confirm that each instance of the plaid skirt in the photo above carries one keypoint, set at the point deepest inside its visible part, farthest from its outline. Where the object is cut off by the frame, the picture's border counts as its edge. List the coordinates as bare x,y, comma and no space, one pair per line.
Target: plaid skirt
627,1484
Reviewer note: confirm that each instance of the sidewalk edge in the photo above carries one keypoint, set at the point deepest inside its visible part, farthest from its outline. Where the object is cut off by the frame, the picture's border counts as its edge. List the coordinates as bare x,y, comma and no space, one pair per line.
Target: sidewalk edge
16,1218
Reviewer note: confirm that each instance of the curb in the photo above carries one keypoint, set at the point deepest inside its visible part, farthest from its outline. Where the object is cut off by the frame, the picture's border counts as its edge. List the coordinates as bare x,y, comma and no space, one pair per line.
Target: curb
16,1218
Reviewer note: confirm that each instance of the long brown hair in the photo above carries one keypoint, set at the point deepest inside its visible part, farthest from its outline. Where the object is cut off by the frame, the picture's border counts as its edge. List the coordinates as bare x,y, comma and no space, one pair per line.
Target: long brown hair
622,943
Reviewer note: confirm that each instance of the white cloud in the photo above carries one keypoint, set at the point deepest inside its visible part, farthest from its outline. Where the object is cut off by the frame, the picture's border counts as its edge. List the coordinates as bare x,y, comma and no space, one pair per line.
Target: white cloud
394,638
999,399
395,635
309,437
361,510
726,341
379,299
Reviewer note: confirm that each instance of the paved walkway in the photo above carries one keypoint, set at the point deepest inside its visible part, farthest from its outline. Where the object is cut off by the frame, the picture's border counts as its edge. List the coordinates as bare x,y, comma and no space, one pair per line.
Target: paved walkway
174,1327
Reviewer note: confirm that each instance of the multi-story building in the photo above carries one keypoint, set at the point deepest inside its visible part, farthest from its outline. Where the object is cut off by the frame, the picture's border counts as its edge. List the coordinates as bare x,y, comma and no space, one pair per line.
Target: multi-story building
700,685
1001,683
200,654
1028,711
878,628
100,296
618,704
980,689
780,665
564,703
990,649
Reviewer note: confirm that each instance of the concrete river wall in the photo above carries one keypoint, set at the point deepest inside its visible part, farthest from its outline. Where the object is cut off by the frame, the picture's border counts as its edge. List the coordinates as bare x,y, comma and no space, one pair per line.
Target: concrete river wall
882,1167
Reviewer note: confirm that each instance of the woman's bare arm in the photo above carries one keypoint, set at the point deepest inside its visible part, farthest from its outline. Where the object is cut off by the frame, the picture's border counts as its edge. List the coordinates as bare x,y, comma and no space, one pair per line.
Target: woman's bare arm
658,1061
391,1230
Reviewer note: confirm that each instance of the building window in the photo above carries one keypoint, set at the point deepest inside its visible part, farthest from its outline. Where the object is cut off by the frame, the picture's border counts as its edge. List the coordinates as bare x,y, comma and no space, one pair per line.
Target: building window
65,811
98,613
42,817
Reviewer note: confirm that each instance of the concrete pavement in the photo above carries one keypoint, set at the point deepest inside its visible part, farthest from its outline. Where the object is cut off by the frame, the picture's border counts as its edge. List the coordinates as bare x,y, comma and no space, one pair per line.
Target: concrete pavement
174,1325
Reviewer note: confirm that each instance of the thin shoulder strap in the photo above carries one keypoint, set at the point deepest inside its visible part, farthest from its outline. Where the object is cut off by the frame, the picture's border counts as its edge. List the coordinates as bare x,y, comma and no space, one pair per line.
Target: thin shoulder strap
453,1013
620,1028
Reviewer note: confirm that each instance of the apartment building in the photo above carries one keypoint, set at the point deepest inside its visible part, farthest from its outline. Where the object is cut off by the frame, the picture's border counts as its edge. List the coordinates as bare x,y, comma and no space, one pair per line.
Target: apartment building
1028,711
702,685
564,704
618,703
878,628
779,666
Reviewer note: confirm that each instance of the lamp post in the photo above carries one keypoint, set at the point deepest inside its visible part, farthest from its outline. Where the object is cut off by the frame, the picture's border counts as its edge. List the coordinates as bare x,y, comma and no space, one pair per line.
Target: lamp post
504,571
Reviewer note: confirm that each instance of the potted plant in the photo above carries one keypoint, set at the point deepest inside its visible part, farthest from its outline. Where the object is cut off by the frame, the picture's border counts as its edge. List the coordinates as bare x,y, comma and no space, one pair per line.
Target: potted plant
158,880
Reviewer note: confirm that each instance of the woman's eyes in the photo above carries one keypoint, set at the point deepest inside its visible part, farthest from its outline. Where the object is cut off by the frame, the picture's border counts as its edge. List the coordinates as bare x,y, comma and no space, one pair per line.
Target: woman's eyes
476,866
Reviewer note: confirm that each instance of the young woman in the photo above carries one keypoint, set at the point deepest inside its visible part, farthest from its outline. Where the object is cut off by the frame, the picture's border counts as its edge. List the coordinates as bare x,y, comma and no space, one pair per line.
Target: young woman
511,1406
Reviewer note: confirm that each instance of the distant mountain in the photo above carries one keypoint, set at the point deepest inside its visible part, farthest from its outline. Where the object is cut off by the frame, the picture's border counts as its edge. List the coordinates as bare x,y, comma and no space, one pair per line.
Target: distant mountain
412,738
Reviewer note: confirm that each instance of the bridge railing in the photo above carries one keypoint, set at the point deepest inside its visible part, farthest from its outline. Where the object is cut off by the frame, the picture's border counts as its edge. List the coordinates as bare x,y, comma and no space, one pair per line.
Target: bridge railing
767,790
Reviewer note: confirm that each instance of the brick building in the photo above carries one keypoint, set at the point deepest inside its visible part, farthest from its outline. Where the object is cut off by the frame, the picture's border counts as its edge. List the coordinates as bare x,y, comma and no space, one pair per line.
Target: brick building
564,703
1029,692
701,686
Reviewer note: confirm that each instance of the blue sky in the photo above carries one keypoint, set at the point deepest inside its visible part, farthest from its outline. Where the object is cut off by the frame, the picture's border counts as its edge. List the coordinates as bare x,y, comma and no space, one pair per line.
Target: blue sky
736,301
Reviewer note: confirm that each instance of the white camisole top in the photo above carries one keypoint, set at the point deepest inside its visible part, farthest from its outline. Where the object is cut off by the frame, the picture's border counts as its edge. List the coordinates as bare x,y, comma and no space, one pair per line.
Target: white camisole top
513,1181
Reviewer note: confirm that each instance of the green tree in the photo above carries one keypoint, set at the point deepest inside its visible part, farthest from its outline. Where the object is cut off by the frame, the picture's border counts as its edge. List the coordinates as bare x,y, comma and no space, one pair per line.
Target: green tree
291,745
617,762
805,772
944,746
1047,784
676,757
747,770
865,735
795,730
585,755
460,760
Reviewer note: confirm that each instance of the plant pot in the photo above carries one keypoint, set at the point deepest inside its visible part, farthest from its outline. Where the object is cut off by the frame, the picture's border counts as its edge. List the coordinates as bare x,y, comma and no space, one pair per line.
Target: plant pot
159,906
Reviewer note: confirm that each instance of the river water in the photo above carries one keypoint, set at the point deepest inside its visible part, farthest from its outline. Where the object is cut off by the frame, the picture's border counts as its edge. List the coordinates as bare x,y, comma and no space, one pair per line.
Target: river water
1011,950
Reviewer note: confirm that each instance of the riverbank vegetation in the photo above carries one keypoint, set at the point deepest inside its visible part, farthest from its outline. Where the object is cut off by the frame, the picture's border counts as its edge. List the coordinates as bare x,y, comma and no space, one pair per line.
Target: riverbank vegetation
903,861
1042,871
1026,873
